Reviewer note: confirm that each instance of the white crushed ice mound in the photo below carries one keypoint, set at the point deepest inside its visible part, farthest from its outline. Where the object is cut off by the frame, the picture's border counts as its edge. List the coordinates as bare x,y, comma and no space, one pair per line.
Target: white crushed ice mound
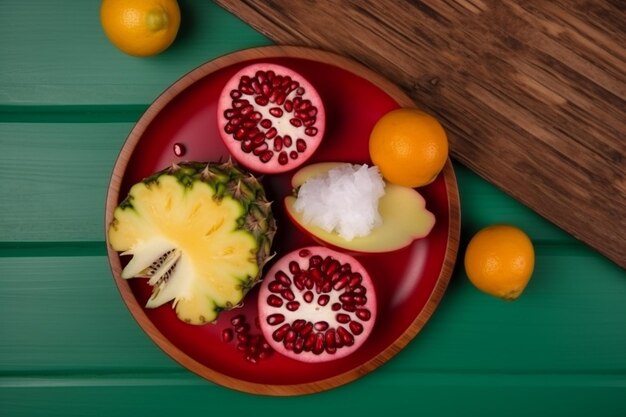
343,200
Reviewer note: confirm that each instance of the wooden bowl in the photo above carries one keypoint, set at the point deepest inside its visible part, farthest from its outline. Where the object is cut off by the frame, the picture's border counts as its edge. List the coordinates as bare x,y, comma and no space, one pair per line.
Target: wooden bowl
410,282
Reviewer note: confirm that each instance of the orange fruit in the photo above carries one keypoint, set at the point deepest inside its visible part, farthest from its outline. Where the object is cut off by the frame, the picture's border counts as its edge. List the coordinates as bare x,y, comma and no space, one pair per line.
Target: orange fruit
499,261
409,146
140,27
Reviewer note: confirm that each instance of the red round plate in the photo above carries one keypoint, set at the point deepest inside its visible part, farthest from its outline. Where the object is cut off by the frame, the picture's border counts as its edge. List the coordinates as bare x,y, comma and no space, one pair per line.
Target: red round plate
409,282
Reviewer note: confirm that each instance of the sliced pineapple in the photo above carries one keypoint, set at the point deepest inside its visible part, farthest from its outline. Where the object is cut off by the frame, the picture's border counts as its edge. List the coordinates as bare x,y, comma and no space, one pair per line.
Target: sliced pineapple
200,233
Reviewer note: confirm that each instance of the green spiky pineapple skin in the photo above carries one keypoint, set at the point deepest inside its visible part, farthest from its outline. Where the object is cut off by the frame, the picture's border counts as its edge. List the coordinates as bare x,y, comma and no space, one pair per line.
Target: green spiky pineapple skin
227,180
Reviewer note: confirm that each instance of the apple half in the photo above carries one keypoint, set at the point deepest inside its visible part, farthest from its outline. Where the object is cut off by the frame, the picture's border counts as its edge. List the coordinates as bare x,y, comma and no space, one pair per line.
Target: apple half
403,211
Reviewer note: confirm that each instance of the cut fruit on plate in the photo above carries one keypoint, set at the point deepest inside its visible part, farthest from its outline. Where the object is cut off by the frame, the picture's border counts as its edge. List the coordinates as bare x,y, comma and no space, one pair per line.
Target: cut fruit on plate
200,233
402,210
270,118
317,305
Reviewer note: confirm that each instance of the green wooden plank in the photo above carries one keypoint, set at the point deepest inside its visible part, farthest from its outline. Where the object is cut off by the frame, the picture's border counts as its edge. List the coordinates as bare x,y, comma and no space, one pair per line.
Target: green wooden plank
54,179
53,54
402,394
65,314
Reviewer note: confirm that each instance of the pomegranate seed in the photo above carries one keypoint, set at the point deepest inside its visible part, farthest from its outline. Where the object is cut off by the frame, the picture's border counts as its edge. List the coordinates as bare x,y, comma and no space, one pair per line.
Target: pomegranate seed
360,300
260,75
235,93
256,116
239,134
288,295
310,121
323,299
327,287
346,298
304,253
246,145
306,329
315,260
288,106
341,282
308,296
298,325
279,334
242,328
246,89
300,91
238,319
283,278
247,110
261,101
259,148
342,318
309,283
245,79
266,123
287,141
256,86
330,338
363,314
359,289
271,133
230,113
298,346
345,336
349,307
320,326
274,301
355,279
276,111
294,267
291,336
356,327
274,319
293,305
278,143
310,131
275,287
280,99
179,149
288,345
229,128
336,307
282,158
293,155
295,122
266,89
227,335
310,341
265,157
238,104
318,347
300,145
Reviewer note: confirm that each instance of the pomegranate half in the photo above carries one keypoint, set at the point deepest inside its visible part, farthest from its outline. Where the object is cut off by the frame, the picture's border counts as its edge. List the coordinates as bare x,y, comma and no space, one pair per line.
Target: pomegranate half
270,118
317,305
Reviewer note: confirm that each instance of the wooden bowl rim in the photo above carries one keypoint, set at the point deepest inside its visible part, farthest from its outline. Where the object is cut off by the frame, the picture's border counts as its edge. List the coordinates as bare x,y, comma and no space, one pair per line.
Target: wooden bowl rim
112,200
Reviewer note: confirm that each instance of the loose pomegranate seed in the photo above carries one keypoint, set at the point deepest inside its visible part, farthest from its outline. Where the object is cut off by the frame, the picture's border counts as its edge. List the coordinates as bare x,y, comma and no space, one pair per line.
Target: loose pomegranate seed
276,111
320,326
323,299
356,327
275,319
227,335
293,305
310,131
279,334
283,159
293,155
283,278
300,145
341,282
278,143
294,267
275,287
363,314
287,141
342,318
295,122
308,296
274,301
336,307
179,149
265,157
306,329
288,295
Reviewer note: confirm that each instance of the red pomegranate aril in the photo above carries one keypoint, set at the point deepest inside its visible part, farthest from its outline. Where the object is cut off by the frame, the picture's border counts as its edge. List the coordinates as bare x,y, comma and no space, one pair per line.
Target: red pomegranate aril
235,94
295,122
336,307
323,299
283,159
278,143
280,333
293,155
356,327
310,131
275,319
266,123
276,111
274,301
346,298
308,296
360,300
247,145
259,148
349,307
294,267
230,113
237,320
288,295
283,278
342,318
341,282
227,335
242,328
321,326
309,122
330,337
179,149
239,134
363,314
265,157
345,336
275,287
355,279
310,341
293,305
298,345
318,347
287,141
291,336
358,289
288,345
288,106
298,325
271,133
306,329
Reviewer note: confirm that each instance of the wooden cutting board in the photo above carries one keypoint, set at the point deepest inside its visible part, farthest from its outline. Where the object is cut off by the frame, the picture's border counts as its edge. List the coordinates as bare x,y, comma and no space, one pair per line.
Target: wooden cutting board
532,93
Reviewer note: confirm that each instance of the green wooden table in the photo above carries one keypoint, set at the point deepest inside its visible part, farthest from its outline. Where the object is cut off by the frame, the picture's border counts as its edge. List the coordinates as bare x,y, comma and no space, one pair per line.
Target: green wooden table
69,346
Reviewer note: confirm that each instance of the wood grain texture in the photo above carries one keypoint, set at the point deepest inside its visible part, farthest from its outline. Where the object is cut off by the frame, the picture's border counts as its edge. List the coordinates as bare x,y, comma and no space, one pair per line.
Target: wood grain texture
532,94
